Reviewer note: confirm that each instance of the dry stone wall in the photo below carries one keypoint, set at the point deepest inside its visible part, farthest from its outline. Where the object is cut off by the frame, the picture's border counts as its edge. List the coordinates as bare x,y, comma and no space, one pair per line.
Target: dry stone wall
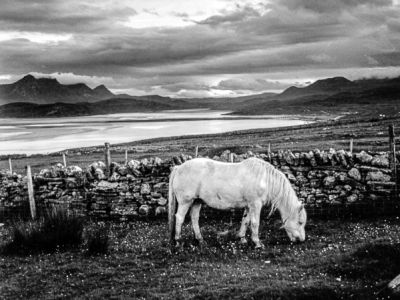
327,181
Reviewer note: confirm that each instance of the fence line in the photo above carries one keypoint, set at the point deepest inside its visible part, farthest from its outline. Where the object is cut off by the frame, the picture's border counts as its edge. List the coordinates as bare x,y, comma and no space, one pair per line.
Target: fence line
285,161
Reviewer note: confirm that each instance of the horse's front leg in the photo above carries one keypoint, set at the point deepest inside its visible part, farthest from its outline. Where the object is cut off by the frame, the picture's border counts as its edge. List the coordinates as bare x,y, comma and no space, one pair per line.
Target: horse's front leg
243,227
255,211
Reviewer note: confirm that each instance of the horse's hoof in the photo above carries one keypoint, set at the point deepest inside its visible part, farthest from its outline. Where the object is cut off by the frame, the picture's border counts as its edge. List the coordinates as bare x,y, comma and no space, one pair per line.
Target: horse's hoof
259,246
243,241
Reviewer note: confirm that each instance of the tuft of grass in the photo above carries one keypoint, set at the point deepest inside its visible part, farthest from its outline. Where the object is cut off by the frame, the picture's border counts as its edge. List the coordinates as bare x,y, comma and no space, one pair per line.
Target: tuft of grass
58,229
98,241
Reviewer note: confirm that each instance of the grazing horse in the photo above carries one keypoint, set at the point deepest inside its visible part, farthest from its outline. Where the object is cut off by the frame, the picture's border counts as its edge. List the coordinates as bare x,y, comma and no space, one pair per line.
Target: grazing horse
249,184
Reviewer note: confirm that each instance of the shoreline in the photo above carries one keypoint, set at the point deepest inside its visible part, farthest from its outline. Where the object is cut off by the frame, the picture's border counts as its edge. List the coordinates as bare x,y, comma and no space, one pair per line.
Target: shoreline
368,134
308,119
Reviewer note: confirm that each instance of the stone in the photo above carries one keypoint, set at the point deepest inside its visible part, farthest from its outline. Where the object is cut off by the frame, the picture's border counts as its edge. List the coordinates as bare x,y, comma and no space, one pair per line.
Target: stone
352,198
115,177
99,174
380,161
122,170
158,161
315,183
363,157
332,197
144,210
134,164
291,177
355,174
342,177
145,189
347,188
329,181
377,176
106,185
162,201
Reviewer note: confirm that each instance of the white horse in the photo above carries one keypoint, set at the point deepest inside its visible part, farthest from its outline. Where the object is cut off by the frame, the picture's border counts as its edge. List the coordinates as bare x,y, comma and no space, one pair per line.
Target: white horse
249,184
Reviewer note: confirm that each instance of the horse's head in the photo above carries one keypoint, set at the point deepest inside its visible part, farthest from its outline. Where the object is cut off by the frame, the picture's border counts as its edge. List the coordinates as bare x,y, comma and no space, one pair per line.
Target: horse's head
295,224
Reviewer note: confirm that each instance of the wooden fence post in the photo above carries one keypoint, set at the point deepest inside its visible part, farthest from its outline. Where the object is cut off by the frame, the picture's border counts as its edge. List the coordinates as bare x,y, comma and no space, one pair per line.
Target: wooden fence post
64,160
392,156
107,159
269,152
31,195
10,164
126,156
232,209
196,152
351,146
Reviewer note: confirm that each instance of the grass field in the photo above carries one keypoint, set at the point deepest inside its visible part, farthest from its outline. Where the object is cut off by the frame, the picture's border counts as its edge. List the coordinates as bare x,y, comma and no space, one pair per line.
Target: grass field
340,259
367,135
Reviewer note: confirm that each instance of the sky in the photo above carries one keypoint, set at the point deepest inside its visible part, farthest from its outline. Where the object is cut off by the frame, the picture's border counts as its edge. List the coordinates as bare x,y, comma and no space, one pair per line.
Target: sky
202,48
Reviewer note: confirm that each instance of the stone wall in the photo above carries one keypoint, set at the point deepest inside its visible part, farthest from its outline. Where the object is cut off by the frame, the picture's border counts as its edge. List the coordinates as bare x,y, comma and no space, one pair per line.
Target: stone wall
327,181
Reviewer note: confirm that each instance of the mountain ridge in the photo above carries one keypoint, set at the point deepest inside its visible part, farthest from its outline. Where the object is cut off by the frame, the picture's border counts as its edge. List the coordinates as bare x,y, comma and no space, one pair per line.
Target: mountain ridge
329,95
50,90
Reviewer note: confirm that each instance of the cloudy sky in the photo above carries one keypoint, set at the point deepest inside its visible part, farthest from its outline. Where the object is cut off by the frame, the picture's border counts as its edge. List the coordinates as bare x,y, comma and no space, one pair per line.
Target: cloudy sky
196,48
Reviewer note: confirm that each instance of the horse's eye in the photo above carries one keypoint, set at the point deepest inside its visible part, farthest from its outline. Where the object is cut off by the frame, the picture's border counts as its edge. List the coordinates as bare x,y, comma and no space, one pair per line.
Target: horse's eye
300,223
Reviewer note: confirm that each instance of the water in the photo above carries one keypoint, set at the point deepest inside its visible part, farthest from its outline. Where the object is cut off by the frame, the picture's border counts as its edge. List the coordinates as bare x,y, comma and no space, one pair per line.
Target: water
48,134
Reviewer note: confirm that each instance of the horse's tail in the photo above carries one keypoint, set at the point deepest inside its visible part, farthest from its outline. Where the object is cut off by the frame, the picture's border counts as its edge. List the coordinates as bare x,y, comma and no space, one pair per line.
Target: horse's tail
171,207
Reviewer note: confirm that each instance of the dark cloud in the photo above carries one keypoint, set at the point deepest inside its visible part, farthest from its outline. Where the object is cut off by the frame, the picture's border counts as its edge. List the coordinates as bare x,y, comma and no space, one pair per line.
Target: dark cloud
296,36
332,6
59,15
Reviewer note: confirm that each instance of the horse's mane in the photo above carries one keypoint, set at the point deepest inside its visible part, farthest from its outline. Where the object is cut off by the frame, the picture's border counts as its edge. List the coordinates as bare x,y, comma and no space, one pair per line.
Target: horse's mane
281,194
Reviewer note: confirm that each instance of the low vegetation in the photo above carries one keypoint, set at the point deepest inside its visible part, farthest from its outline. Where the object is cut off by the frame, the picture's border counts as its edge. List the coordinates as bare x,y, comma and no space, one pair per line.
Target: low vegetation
56,230
340,259
97,239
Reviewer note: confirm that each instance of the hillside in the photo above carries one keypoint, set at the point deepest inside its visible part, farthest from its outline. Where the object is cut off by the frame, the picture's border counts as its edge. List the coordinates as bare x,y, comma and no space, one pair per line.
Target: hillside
49,90
369,97
116,105
46,97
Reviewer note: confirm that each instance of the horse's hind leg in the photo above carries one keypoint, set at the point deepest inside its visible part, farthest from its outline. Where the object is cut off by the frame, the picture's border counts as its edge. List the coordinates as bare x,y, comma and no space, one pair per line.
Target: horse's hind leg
194,215
243,227
183,207
255,211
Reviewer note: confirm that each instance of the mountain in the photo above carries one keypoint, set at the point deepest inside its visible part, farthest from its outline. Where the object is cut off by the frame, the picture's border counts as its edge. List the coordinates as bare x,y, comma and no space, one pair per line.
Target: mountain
110,106
49,90
327,86
102,92
336,95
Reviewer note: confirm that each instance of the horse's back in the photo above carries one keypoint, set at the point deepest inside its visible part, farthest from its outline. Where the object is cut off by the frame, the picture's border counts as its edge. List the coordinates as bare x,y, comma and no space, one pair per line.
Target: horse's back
219,184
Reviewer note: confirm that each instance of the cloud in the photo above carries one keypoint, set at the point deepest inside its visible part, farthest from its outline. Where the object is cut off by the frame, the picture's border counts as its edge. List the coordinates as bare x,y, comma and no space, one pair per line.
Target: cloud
60,16
238,44
332,6
250,84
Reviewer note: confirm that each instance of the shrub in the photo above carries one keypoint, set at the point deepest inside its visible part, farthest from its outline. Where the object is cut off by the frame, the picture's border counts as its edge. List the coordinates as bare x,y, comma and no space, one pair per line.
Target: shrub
97,240
56,230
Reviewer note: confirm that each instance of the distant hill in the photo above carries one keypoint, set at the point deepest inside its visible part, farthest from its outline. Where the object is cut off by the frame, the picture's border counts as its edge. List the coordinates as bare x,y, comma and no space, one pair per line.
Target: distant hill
49,90
327,86
336,95
110,106
44,97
